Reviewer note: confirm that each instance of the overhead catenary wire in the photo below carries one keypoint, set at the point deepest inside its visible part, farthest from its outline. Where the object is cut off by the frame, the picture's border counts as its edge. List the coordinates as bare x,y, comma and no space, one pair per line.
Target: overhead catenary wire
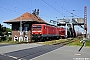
31,6
63,6
24,5
21,8
12,6
46,7
28,6
10,10
66,10
53,8
44,2
20,19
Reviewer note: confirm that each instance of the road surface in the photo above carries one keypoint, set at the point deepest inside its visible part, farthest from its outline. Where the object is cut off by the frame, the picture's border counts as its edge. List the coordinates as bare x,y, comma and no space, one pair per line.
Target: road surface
35,51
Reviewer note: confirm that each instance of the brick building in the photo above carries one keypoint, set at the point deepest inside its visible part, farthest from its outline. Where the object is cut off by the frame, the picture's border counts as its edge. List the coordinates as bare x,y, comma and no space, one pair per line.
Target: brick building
27,20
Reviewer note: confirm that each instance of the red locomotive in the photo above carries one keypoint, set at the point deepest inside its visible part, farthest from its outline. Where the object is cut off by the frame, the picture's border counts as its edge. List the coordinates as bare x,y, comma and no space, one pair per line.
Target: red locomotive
46,31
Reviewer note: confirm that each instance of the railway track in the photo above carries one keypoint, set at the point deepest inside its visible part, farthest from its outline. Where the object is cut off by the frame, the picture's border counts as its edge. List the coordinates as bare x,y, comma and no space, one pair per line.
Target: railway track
64,43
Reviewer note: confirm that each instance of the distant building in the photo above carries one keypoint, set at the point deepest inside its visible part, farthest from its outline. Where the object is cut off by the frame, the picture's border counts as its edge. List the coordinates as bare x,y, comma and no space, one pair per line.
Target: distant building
27,20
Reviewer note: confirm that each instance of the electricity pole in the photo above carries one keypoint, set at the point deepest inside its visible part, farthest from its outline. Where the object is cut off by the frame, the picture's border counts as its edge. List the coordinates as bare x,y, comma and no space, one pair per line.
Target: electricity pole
20,29
85,19
66,30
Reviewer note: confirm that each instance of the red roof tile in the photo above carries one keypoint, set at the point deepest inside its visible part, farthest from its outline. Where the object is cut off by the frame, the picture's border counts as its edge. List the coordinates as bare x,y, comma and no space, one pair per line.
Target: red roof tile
27,17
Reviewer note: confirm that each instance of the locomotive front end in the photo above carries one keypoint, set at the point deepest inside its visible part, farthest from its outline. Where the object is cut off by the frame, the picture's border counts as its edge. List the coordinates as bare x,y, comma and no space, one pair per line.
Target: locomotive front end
36,31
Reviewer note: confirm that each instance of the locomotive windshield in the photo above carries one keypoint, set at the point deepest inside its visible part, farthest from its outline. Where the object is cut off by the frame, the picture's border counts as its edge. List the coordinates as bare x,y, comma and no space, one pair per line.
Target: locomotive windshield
36,26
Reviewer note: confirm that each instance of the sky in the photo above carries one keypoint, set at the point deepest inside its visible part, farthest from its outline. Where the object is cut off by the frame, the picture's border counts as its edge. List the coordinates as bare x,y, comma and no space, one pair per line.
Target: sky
49,9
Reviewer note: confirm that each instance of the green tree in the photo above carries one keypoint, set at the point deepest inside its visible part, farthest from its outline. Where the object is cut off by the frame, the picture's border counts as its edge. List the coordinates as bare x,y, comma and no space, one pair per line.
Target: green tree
4,32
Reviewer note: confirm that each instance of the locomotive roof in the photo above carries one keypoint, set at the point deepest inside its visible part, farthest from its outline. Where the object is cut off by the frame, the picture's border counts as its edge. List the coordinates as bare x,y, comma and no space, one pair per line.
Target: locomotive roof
45,24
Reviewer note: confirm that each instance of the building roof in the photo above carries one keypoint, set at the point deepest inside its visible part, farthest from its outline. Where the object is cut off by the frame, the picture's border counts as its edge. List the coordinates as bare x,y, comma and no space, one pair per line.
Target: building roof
26,17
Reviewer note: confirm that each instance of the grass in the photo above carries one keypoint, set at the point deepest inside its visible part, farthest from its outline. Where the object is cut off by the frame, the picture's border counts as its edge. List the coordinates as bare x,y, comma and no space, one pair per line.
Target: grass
52,42
88,43
10,42
77,42
46,42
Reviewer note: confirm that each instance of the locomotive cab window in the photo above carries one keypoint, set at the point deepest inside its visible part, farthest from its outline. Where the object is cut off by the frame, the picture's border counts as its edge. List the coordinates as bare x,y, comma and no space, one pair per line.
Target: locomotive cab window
37,26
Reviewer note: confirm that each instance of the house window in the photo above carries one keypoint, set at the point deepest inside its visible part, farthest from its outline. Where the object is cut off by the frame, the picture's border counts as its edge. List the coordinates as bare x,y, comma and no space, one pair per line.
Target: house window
25,28
15,28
